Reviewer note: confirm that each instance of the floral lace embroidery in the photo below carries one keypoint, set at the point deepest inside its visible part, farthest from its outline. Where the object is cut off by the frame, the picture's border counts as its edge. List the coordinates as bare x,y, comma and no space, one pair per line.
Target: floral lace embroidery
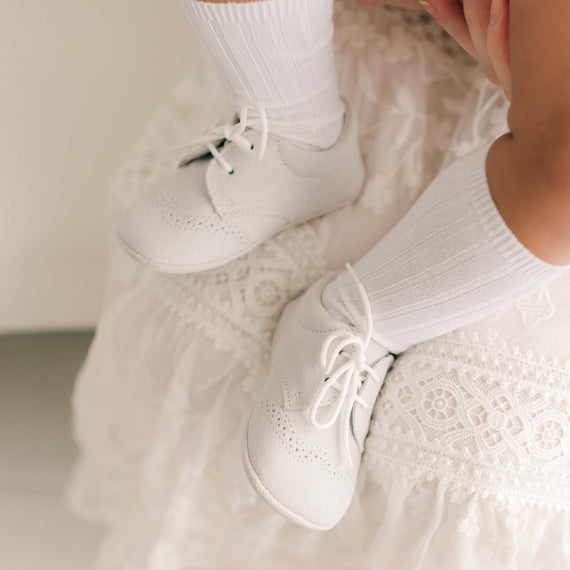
483,418
237,305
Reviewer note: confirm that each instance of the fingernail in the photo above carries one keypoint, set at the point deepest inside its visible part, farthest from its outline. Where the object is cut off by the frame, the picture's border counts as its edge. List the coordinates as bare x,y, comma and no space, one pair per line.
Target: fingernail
429,8
495,12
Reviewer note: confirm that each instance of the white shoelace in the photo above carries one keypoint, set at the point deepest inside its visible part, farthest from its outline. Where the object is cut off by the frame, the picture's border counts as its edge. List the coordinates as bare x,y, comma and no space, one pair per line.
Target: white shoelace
234,132
346,377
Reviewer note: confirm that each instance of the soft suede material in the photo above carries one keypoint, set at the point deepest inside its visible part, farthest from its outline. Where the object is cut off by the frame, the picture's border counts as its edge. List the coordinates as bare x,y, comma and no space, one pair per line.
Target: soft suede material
302,471
203,216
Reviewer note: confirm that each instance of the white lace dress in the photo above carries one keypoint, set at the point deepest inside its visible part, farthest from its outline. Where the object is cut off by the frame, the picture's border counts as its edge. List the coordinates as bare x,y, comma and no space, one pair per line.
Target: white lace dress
467,464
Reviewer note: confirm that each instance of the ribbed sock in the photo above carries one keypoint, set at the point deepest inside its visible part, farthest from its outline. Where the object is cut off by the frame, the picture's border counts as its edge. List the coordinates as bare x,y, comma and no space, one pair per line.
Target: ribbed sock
277,53
450,261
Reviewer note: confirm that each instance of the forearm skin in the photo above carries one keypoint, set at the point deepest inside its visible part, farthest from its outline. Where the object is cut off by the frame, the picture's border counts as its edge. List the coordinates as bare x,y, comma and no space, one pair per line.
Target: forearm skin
529,169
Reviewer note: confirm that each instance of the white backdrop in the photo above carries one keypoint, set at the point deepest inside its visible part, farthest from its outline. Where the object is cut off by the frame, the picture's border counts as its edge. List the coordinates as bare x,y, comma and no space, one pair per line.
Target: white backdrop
78,80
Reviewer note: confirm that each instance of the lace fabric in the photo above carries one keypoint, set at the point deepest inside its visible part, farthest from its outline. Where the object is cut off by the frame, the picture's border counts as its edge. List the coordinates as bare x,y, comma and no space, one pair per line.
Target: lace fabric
473,410
475,435
466,464
237,305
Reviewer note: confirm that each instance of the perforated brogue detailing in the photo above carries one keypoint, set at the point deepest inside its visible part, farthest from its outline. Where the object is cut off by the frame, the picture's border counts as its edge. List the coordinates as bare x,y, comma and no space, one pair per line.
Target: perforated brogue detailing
302,452
175,217
292,399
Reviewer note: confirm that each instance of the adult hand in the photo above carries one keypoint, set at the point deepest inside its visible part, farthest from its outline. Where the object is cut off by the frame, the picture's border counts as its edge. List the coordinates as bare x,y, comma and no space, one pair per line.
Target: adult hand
449,14
482,28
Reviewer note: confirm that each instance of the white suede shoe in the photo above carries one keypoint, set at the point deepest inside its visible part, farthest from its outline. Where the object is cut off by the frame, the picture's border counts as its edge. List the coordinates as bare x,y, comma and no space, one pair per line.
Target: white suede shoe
241,186
303,445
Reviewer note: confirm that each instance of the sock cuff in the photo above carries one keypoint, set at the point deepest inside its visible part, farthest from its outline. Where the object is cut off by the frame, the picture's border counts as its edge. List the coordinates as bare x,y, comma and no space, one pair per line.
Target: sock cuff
498,232
257,10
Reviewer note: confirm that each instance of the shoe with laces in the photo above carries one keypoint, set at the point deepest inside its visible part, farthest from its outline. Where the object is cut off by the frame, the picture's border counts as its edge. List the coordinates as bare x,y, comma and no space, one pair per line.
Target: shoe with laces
241,185
303,444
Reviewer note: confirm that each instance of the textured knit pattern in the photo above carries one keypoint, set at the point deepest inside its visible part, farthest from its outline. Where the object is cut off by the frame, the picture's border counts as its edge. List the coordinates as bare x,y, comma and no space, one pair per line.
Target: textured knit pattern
450,261
277,53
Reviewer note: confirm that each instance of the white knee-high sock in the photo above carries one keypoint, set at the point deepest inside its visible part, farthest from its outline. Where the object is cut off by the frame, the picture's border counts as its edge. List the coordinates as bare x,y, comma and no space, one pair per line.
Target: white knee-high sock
449,262
277,53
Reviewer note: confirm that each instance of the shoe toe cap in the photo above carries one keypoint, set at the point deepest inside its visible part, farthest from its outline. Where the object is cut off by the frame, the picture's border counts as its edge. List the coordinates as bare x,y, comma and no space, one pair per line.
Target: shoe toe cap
299,479
172,241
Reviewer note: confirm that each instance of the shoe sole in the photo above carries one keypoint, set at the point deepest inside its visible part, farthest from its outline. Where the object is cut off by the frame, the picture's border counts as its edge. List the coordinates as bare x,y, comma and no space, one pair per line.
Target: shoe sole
266,495
196,267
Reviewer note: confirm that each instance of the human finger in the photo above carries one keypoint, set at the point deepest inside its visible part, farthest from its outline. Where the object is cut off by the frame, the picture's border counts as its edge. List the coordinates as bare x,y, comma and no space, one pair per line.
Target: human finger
477,15
449,14
498,43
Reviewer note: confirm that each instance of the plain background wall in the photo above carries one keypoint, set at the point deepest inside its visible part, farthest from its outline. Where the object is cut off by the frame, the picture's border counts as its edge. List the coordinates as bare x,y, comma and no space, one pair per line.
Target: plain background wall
78,81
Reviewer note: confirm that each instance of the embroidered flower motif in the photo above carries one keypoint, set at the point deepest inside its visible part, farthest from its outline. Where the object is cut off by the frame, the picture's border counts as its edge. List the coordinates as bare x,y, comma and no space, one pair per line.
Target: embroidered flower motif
267,293
440,404
535,308
548,435
237,306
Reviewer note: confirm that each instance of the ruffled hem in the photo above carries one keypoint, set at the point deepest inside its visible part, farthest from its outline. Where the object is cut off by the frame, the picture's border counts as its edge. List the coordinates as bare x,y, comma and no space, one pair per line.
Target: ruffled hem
434,523
170,484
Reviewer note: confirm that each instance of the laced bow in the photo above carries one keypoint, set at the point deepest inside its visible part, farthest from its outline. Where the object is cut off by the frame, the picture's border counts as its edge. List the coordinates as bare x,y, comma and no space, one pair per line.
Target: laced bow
234,132
343,357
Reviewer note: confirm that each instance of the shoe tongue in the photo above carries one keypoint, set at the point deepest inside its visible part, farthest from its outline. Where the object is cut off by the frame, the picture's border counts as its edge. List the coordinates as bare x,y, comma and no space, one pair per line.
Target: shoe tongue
360,419
194,172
